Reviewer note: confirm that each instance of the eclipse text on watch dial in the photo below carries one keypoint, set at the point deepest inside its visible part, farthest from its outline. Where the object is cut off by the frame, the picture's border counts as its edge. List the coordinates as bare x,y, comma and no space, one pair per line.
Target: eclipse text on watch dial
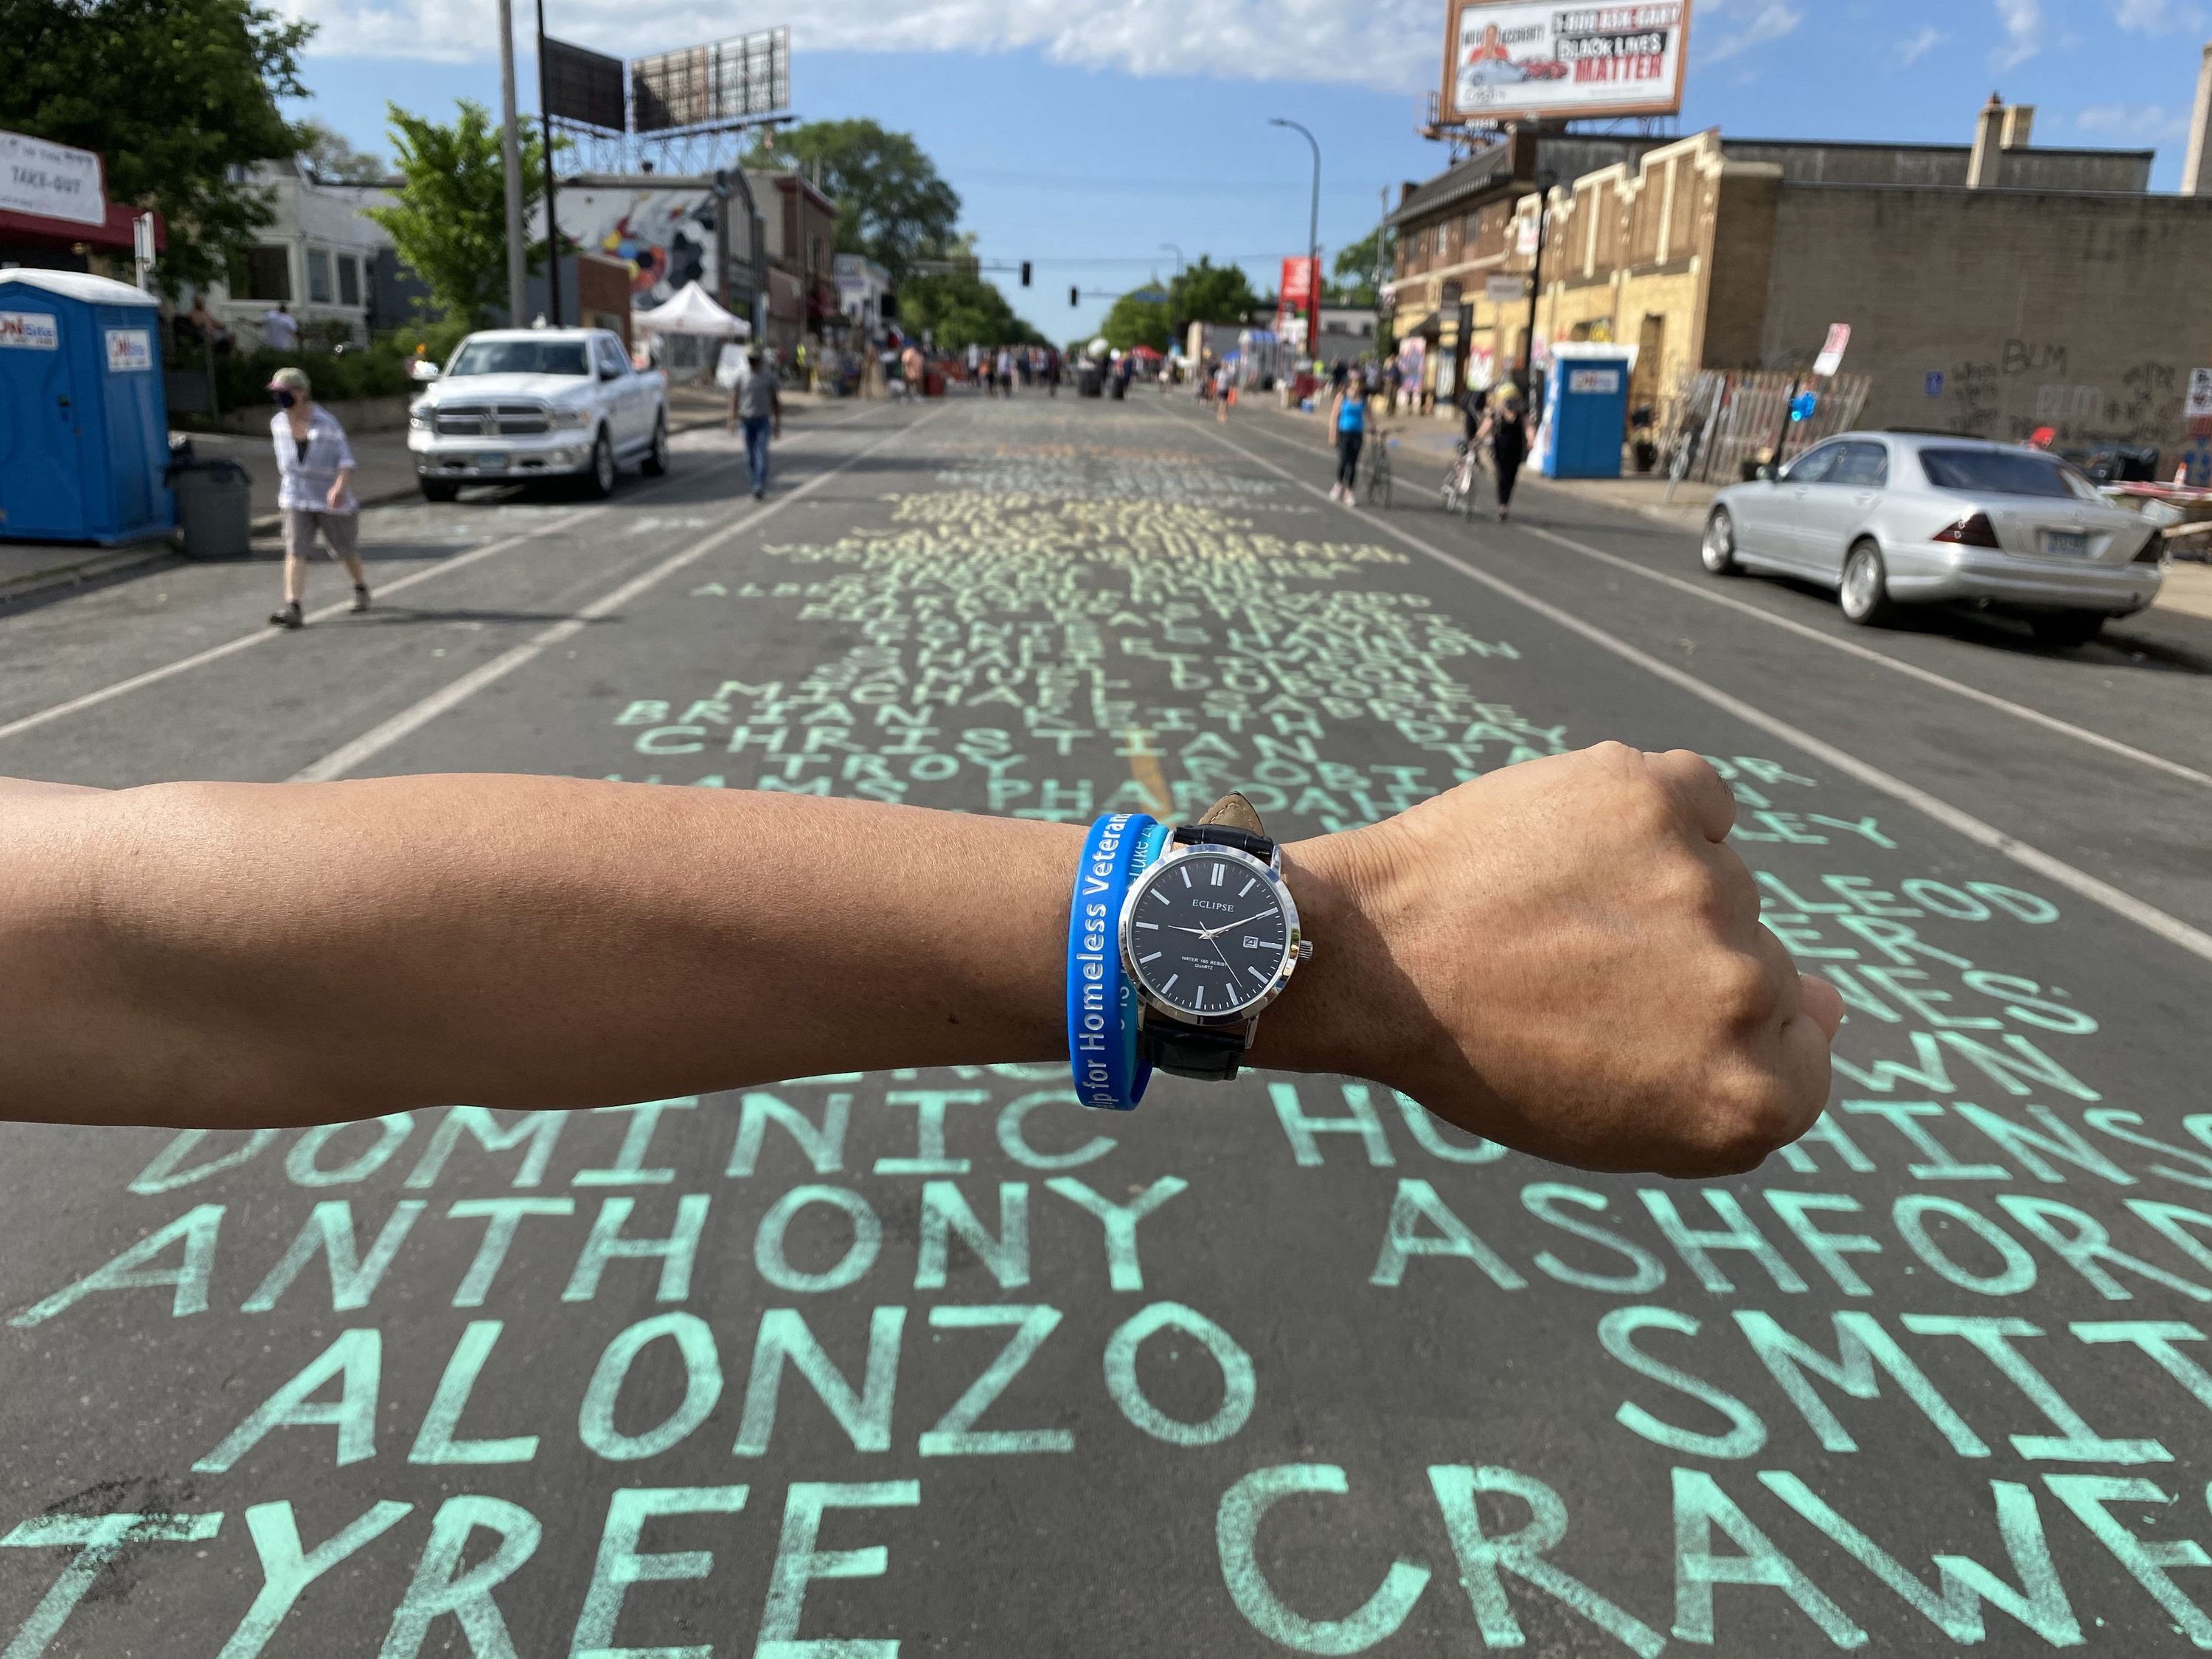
1208,935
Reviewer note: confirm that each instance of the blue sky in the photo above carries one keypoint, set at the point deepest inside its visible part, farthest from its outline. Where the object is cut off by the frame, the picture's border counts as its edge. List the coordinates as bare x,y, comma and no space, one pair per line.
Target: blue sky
1083,135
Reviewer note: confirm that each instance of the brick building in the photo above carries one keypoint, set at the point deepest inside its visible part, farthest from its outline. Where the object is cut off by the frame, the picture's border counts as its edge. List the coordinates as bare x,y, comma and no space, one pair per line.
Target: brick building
1991,287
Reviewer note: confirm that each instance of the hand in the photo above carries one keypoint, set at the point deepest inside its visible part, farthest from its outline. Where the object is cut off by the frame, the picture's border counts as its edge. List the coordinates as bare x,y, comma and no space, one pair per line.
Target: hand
1563,956
335,497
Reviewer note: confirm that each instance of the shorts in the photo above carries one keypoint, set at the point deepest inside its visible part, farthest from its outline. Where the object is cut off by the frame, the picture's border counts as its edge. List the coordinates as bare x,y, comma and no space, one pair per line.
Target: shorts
341,533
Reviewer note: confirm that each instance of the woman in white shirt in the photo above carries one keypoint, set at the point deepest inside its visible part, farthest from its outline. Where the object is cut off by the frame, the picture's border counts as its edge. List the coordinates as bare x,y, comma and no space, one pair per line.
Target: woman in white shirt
314,491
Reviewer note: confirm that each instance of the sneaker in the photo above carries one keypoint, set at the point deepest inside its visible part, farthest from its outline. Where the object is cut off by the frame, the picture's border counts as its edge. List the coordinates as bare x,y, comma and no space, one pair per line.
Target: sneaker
360,597
759,494
286,615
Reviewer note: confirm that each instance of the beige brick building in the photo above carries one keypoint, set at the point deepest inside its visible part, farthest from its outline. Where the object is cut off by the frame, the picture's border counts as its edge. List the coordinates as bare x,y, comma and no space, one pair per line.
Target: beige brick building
1991,287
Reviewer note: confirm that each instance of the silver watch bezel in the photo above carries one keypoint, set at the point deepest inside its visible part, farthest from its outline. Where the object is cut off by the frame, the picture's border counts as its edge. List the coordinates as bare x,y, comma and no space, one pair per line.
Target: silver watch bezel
1296,949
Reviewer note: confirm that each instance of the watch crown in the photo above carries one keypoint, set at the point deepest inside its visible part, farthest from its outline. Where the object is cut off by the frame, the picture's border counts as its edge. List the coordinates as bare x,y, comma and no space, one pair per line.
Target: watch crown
1305,950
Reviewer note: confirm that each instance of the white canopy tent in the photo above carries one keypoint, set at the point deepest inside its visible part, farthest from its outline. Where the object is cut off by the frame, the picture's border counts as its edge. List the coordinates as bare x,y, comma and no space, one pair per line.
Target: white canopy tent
692,309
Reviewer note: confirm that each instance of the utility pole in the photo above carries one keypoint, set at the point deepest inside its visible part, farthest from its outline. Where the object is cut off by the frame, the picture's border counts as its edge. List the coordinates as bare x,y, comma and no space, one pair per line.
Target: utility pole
552,225
510,154
1544,183
1313,242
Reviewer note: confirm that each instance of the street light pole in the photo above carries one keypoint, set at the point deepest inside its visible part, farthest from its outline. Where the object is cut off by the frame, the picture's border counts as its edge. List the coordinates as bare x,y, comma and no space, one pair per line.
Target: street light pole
552,226
1544,183
1171,248
1313,242
510,156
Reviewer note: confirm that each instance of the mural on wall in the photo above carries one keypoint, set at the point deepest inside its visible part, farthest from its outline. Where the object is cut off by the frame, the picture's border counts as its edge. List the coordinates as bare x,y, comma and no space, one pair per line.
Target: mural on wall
666,237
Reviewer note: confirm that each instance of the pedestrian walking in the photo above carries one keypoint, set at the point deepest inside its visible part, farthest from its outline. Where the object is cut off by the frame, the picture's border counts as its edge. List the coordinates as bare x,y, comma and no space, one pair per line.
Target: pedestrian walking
314,491
1506,429
915,370
756,406
1005,372
1347,420
280,328
1225,391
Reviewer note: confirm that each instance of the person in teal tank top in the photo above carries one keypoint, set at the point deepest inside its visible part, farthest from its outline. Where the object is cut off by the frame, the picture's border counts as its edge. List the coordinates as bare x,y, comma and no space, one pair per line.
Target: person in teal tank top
1347,419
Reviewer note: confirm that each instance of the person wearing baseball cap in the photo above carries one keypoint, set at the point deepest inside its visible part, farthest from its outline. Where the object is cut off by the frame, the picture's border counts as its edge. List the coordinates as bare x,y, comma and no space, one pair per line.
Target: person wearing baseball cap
314,491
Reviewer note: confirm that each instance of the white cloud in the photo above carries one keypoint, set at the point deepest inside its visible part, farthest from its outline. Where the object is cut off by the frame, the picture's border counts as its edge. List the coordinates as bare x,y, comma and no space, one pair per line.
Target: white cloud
1391,45
2137,121
2023,26
2155,16
1912,50
1770,22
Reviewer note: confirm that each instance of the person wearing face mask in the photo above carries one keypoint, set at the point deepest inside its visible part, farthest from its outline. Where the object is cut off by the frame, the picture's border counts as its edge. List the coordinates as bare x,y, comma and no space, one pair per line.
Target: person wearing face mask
314,491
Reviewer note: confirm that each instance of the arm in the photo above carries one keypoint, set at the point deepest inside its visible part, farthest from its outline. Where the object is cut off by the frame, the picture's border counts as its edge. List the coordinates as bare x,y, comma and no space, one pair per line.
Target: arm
1560,955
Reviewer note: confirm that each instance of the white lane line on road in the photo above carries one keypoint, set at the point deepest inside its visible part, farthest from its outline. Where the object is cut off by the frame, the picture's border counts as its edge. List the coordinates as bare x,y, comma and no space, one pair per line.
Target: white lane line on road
247,641
2170,928
378,738
1911,671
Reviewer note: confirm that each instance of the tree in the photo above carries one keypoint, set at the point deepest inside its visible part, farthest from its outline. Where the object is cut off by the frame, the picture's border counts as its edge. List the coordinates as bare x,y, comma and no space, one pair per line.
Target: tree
1138,318
173,94
891,205
450,224
329,156
959,310
1207,293
1356,267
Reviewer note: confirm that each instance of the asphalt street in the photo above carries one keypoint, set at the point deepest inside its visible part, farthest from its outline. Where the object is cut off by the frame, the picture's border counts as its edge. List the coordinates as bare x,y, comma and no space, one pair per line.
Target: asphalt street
936,1363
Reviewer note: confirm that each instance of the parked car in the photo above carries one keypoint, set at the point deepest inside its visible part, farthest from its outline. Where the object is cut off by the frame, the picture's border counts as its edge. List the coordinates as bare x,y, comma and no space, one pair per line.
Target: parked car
538,402
1890,518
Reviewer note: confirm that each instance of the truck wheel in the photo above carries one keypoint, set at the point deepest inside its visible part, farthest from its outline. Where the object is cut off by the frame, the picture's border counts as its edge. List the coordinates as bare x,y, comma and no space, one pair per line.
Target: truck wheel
600,482
656,458
438,489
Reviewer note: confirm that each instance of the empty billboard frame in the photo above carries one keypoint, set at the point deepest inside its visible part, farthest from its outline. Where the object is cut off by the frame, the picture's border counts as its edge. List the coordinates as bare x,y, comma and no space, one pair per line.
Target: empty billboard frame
724,81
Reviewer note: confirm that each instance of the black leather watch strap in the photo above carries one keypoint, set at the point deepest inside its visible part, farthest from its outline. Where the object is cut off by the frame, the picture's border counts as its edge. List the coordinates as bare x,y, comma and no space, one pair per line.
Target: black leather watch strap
1223,835
1211,1053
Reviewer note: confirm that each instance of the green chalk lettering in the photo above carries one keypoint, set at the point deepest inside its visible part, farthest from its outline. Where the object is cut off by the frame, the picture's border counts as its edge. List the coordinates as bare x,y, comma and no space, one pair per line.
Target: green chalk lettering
2064,1142
1428,1134
2088,1495
1738,1232
440,1586
355,1362
2015,1276
1417,1202
865,1415
535,1130
1124,1271
798,1562
1616,1332
944,1211
702,1388
299,1163
929,1158
620,1564
1239,1389
2079,1239
1861,1345
1829,1250
286,1570
505,1215
954,1435
328,1231
822,1145
676,1252
2076,1442
98,1540
1542,1199
436,1442
1699,1506
774,1266
161,1175
1235,1528
628,1168
1942,1166
195,1230
1301,1129
1013,1138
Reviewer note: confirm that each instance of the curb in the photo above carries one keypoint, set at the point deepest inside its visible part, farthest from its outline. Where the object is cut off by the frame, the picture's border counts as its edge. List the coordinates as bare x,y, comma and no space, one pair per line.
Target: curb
105,561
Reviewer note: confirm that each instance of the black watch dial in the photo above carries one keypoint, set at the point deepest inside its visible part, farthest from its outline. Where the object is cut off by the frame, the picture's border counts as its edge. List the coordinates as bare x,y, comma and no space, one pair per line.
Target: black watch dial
1208,934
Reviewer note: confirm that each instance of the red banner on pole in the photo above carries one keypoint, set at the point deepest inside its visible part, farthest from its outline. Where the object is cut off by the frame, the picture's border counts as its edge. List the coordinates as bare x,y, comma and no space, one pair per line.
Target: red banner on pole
1298,286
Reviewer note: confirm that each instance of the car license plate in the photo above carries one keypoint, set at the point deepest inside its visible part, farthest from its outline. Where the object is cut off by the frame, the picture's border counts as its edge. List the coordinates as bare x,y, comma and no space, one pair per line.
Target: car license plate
2065,541
491,463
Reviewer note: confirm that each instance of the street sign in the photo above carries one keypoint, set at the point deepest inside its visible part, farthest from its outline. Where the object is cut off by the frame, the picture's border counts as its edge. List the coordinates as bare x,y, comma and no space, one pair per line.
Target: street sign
1832,355
1526,234
2198,409
1932,383
1503,290
51,180
584,87
723,81
1529,59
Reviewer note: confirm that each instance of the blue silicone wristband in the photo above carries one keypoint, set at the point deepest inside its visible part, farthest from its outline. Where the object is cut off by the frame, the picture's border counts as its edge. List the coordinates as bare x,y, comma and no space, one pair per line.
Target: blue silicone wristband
1101,1003
1148,846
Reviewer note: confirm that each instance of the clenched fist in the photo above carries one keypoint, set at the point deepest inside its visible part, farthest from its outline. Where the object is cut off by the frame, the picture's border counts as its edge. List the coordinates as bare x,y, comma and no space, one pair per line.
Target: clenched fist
1563,956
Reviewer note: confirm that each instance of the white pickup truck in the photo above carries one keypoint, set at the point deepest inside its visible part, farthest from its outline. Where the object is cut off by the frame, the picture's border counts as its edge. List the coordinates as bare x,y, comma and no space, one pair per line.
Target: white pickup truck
536,403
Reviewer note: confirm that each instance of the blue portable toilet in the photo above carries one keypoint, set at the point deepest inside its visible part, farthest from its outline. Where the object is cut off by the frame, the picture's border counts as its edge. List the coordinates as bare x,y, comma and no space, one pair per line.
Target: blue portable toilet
1585,410
84,424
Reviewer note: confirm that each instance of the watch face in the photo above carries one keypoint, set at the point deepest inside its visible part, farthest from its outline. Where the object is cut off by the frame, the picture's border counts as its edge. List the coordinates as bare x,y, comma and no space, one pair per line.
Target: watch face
1207,935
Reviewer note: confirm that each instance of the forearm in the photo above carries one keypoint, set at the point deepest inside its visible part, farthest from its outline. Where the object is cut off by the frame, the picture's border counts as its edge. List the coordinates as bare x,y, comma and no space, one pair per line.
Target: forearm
214,953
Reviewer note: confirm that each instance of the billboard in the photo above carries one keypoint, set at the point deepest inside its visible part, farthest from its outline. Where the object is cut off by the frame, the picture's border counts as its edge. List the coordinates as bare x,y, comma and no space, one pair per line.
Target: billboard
51,180
1525,60
584,87
724,81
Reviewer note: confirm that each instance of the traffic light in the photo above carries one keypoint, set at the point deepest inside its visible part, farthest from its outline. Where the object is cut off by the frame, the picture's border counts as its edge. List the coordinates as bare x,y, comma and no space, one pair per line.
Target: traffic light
1025,273
1073,297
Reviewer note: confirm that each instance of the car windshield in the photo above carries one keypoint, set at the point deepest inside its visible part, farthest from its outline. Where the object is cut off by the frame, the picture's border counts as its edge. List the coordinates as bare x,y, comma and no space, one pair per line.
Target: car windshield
2004,472
520,357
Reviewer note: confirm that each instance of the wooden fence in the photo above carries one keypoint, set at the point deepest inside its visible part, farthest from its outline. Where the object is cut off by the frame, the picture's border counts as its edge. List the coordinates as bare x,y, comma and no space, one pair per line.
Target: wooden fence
1720,418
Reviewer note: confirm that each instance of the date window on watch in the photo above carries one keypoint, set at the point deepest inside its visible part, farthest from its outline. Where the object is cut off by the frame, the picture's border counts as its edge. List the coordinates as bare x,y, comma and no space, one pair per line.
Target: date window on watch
1251,943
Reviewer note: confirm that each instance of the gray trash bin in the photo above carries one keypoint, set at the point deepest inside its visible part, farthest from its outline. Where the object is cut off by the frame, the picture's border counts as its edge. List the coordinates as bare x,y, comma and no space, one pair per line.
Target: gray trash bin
215,509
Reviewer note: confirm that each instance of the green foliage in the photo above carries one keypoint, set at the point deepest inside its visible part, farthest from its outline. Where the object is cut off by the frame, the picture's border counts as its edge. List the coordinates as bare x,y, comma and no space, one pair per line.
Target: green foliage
1132,321
172,94
891,205
960,309
1355,267
242,377
330,157
1207,293
449,225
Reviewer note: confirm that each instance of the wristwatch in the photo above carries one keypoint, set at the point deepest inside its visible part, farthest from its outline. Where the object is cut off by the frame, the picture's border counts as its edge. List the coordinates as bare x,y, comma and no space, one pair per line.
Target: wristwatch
1209,937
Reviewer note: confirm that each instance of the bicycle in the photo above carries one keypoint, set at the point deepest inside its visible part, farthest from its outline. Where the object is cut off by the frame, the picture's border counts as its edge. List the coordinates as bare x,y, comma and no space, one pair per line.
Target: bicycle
1378,471
1458,481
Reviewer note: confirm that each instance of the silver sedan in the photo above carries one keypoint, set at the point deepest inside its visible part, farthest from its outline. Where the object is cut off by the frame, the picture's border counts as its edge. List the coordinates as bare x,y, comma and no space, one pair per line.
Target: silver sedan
1889,519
